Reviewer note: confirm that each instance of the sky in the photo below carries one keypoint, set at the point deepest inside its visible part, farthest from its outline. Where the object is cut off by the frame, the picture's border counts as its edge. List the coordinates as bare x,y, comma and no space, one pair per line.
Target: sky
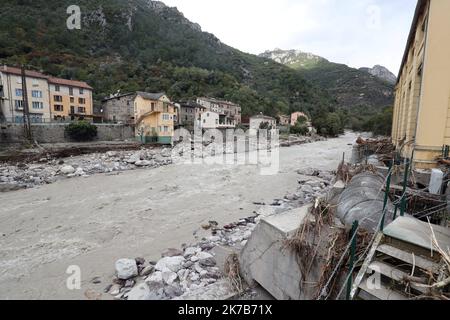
359,33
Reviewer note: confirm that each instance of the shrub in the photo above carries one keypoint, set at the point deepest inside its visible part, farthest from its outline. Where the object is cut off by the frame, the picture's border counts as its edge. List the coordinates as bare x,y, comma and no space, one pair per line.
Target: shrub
81,131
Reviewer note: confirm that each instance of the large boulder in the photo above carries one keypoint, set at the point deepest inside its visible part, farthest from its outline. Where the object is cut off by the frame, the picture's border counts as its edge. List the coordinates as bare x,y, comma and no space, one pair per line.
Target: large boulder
67,169
174,264
126,269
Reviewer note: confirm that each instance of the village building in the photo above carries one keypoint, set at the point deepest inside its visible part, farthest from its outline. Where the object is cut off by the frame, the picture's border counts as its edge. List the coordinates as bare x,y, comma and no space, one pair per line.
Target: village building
210,120
421,120
49,99
119,108
190,115
230,114
155,115
284,120
257,121
70,99
296,115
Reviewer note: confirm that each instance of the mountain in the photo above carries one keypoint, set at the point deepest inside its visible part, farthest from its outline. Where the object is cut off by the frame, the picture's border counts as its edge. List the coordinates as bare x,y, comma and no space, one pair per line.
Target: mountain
132,45
294,58
382,73
352,88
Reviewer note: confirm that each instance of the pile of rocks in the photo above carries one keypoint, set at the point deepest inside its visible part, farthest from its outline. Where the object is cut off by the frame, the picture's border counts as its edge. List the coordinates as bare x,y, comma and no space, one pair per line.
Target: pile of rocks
47,170
180,272
176,274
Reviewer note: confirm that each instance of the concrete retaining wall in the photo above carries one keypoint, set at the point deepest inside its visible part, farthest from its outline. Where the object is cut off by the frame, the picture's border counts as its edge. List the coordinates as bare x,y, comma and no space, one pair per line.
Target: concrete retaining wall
54,133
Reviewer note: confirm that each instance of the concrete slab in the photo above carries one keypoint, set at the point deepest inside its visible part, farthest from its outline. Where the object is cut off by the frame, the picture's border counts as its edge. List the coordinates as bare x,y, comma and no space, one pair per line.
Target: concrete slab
266,261
418,233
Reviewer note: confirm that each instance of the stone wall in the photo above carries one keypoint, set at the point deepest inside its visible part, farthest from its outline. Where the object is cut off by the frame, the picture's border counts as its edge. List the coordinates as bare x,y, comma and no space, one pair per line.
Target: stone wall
54,133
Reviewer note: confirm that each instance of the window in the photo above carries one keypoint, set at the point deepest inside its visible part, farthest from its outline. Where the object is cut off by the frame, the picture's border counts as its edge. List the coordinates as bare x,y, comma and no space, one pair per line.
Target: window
166,129
81,110
71,91
18,104
57,98
36,94
35,83
58,108
57,88
19,92
81,91
37,105
72,100
166,117
81,100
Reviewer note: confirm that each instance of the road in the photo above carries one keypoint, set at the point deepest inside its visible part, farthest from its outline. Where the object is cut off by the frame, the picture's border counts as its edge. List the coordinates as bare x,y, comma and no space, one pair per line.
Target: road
91,222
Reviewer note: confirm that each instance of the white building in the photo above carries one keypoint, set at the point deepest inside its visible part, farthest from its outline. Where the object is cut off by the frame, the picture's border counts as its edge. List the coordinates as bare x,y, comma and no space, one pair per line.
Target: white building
209,120
257,121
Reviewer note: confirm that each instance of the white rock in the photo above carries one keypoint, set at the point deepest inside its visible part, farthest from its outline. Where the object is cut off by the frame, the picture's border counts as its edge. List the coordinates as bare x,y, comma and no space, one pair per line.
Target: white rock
126,268
204,255
194,276
156,277
114,290
174,264
139,292
247,235
307,188
67,169
142,163
214,239
191,251
169,277
194,259
79,172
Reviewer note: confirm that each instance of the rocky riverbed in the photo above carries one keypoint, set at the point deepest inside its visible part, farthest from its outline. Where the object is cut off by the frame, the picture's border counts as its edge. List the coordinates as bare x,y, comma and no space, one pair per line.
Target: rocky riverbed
91,222
193,267
49,170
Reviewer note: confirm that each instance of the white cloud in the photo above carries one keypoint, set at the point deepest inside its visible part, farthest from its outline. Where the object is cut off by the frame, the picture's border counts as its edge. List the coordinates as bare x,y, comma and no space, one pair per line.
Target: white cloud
355,32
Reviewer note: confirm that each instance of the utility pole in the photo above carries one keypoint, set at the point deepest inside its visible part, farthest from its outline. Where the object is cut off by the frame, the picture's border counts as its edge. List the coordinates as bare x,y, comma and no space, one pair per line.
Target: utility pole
26,110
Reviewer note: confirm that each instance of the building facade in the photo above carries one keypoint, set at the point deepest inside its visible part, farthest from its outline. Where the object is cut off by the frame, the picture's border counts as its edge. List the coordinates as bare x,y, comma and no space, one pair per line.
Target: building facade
284,120
421,120
119,108
230,114
45,103
190,115
11,97
155,115
210,120
258,120
70,100
296,115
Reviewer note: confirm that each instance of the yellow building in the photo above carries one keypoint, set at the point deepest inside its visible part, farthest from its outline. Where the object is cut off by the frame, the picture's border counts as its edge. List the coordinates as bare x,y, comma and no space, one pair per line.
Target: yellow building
49,99
421,124
155,116
70,100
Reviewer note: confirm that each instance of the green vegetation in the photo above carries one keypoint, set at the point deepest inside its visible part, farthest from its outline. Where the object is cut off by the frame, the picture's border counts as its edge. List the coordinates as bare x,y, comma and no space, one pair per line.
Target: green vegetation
360,97
301,127
159,51
81,131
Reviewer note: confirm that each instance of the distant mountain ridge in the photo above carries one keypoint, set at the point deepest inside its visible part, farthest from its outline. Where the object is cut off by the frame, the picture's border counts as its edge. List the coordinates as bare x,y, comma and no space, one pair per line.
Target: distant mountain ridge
382,73
144,45
350,87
